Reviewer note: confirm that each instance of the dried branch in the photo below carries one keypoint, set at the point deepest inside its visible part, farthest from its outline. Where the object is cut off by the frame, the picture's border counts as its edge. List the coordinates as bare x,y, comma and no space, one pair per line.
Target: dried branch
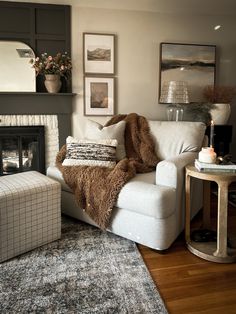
219,94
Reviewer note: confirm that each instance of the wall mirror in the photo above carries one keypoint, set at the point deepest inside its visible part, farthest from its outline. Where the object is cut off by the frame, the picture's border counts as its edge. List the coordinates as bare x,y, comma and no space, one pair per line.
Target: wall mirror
17,74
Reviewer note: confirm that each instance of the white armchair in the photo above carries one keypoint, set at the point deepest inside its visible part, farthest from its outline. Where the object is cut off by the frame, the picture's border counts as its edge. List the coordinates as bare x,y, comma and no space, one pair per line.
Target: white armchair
150,207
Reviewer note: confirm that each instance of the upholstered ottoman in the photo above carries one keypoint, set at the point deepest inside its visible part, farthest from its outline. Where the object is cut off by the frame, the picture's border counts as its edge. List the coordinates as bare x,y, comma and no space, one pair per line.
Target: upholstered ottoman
30,212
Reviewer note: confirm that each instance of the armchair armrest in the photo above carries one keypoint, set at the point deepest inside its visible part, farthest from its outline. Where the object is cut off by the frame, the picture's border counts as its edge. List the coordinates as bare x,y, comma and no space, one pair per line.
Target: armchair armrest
170,172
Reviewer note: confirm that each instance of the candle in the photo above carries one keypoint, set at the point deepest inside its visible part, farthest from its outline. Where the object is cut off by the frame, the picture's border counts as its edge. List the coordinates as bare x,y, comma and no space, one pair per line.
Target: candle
212,133
207,155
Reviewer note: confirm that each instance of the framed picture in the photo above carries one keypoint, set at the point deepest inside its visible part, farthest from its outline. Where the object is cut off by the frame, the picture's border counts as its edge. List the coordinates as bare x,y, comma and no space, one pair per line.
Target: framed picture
98,96
99,53
195,64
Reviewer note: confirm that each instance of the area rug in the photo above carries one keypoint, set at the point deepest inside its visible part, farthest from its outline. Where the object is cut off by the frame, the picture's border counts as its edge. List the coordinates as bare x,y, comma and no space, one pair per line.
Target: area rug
86,271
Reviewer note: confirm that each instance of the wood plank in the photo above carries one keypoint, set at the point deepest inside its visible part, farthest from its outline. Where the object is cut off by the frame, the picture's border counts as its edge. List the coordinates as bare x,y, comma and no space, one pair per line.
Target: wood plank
189,284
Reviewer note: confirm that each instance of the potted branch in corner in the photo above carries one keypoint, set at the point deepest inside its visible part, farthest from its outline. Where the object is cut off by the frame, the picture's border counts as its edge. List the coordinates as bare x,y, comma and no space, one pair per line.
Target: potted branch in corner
221,97
53,68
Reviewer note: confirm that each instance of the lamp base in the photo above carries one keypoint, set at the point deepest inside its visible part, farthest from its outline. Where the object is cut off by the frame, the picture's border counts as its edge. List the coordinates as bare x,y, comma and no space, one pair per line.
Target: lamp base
170,112
175,113
179,113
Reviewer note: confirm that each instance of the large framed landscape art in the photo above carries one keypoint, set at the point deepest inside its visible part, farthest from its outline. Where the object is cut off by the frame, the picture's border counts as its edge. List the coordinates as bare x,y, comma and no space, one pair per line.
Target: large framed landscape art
192,63
99,51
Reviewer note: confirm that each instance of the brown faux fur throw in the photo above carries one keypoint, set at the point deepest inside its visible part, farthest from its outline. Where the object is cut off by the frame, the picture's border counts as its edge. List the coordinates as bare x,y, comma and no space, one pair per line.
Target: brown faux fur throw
96,188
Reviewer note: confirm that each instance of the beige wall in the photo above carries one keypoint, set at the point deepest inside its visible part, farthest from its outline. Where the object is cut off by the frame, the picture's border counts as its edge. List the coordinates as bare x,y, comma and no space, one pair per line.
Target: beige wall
139,34
138,37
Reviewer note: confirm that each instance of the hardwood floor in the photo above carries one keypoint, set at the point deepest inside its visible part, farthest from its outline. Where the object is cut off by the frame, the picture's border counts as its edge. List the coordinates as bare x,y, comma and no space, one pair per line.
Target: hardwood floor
189,284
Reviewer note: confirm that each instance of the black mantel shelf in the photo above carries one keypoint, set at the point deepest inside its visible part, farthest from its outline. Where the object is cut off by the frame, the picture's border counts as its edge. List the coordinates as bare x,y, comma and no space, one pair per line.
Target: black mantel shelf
35,103
37,94
27,103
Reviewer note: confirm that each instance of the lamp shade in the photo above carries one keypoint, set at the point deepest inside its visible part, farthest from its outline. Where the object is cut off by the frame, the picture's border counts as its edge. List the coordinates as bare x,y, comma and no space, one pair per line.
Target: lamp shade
174,92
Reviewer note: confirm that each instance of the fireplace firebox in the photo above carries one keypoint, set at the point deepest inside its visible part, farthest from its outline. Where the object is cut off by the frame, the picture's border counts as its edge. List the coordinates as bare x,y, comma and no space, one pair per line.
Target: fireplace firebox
22,148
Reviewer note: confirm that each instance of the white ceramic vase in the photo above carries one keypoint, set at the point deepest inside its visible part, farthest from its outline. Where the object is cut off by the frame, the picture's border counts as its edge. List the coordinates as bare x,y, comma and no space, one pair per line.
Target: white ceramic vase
52,83
221,113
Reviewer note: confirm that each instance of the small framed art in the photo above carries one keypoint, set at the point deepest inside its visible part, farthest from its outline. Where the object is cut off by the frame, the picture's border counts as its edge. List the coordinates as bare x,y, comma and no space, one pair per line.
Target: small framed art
98,96
99,53
194,64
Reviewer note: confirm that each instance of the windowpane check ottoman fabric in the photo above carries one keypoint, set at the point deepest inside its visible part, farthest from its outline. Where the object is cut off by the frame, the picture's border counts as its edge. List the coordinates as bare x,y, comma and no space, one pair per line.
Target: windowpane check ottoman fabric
30,212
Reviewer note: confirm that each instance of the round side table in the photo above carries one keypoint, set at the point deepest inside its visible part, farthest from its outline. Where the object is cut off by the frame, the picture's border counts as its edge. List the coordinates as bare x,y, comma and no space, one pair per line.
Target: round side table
215,252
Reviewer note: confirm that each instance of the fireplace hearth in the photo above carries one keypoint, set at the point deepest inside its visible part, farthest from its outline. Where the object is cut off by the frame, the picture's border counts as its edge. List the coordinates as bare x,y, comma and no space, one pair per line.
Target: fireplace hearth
22,148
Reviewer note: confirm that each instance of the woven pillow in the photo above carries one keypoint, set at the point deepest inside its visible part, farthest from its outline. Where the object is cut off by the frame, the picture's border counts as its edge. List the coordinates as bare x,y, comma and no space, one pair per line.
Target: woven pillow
96,131
90,152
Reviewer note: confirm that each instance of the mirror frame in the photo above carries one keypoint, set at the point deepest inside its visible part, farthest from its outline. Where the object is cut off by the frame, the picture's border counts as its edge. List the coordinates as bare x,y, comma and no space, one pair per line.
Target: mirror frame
17,74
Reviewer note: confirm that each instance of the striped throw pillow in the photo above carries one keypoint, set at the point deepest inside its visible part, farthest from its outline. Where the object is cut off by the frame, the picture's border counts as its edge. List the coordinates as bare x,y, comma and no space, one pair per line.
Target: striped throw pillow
90,152
96,131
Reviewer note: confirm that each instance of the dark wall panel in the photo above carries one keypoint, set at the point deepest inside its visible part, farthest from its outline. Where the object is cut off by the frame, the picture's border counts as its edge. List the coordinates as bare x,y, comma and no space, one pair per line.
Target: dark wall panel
44,27
53,47
54,21
14,20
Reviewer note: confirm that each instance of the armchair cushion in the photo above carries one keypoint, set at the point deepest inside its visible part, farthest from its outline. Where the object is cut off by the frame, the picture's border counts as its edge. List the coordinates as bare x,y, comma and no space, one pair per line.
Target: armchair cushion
140,194
176,137
143,196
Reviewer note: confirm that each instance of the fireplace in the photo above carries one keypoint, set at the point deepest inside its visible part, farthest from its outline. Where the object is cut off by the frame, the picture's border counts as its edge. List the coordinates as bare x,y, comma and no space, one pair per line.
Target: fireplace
53,111
22,148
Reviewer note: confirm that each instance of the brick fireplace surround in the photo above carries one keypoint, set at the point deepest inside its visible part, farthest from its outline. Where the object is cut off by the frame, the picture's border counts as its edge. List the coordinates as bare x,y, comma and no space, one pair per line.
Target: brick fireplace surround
50,123
51,110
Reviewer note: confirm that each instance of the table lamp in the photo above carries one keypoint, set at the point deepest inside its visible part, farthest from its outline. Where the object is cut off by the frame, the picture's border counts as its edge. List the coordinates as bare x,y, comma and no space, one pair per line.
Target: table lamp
176,94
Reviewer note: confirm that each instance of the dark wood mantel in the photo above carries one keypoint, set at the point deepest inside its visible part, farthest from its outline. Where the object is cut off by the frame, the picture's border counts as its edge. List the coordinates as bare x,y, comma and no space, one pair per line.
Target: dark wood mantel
35,103
30,103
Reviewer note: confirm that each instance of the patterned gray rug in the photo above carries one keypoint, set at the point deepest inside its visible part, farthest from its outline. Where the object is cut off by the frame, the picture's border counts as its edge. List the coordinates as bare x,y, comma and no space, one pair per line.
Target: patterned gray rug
87,271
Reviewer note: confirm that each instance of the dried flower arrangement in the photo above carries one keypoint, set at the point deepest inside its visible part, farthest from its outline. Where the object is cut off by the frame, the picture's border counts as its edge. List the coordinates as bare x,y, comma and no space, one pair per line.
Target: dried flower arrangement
219,94
60,64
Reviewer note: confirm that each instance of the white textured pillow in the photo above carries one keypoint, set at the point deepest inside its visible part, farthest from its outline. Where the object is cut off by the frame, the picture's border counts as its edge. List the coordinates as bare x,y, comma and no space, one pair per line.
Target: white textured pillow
90,152
95,131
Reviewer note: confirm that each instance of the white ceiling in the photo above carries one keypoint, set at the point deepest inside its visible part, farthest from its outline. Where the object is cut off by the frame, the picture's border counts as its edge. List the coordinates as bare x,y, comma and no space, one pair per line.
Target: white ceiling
211,7
192,7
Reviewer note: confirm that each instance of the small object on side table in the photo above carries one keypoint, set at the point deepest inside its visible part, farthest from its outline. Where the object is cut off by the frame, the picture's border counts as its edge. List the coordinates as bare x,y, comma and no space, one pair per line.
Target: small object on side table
204,235
217,167
207,155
